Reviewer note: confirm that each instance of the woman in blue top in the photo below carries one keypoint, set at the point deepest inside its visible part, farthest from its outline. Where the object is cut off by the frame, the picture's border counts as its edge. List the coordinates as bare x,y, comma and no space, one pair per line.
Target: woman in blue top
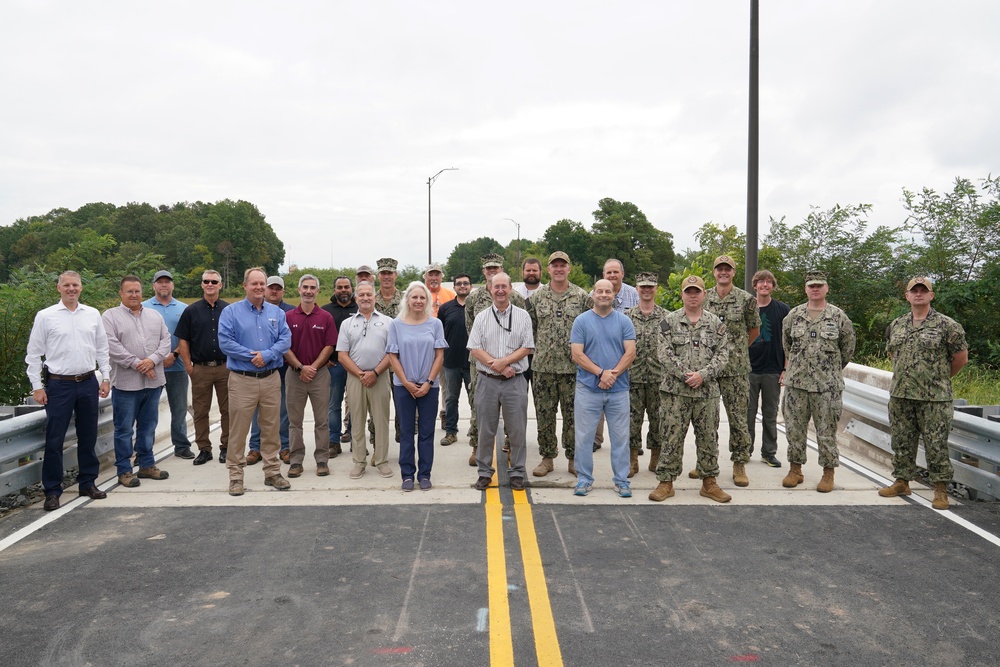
416,353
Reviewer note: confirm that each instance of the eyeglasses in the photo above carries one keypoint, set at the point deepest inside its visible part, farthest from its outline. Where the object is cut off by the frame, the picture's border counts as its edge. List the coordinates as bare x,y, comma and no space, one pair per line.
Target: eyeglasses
209,282
464,283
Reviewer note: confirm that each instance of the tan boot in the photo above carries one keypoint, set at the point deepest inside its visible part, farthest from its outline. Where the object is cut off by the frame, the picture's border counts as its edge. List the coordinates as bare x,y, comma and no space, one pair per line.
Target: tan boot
900,487
694,474
544,468
826,484
654,458
940,501
740,475
662,492
472,459
794,476
571,468
633,464
710,489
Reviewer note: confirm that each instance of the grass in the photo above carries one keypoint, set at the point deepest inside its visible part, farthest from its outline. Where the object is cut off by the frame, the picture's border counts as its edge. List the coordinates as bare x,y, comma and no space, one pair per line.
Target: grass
979,385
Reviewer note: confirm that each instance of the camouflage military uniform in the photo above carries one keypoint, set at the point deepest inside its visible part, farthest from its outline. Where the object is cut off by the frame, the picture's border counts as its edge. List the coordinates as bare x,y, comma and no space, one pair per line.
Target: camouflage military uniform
553,370
478,301
740,313
645,376
920,394
685,348
816,352
388,308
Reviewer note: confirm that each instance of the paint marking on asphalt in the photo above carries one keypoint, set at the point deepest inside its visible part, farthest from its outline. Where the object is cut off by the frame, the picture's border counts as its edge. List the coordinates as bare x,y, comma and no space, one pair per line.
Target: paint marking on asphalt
543,623
501,640
403,624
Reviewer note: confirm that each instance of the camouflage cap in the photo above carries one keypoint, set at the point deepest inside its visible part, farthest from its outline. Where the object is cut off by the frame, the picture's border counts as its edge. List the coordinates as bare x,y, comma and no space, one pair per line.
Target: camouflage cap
815,277
724,259
692,281
364,268
387,264
647,278
492,259
559,254
920,280
432,268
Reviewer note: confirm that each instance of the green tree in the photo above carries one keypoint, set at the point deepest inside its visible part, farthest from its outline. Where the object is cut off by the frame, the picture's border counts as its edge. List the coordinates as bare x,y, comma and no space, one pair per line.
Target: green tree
573,239
467,257
622,231
239,237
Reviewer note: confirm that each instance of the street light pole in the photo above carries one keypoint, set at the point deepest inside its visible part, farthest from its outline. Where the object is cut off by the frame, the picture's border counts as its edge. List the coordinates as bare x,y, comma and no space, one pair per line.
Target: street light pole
430,182
518,240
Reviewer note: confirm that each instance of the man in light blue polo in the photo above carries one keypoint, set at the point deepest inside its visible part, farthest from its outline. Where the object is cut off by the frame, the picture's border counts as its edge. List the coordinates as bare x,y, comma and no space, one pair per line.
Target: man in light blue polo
254,336
602,343
170,309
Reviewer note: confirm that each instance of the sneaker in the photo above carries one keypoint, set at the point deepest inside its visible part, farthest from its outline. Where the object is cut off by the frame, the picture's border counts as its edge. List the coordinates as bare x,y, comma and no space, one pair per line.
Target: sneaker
582,489
284,455
384,470
278,482
770,460
128,480
449,439
517,483
222,455
152,472
322,470
184,453
482,483
407,484
623,491
357,471
236,487
295,470
253,458
425,484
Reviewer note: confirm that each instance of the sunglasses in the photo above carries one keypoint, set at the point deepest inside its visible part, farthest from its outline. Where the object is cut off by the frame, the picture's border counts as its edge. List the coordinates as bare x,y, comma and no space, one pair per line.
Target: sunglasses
209,282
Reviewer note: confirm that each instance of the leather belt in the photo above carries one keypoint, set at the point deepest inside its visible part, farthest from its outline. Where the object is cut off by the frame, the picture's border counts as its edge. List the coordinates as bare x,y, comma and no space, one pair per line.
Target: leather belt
82,377
502,378
255,374
208,363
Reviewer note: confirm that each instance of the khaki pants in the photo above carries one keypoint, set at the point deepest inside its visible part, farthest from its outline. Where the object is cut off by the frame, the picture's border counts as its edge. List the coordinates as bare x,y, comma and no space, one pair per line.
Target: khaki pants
318,394
246,395
372,401
203,380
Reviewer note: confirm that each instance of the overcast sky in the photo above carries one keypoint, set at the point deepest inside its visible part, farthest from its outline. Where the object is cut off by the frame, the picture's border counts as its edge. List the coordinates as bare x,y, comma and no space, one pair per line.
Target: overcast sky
330,116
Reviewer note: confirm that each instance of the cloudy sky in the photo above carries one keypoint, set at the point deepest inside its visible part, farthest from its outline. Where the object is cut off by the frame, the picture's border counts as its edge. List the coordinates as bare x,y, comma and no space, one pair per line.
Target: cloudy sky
331,115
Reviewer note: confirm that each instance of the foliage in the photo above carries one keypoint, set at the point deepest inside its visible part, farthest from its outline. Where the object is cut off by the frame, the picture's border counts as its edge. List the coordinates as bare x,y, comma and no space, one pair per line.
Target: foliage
467,257
570,237
622,231
669,295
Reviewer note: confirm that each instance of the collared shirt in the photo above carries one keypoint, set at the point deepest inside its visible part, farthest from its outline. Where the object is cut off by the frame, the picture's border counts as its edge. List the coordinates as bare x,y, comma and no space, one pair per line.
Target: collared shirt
364,339
388,307
500,334
552,317
688,347
443,295
922,354
647,366
452,316
523,290
480,299
340,313
310,332
817,350
243,329
738,310
171,314
73,342
132,338
199,326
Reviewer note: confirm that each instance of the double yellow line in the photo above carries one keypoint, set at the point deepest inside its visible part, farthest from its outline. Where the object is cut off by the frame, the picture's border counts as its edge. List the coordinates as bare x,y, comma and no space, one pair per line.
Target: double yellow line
543,624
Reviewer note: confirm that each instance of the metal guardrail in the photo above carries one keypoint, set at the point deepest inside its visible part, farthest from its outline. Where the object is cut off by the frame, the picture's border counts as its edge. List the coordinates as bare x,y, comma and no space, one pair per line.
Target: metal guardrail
974,443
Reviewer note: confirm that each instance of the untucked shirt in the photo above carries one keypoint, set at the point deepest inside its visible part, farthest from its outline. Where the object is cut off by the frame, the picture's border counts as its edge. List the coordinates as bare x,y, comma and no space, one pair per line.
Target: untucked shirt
603,340
171,314
132,338
766,354
415,345
922,354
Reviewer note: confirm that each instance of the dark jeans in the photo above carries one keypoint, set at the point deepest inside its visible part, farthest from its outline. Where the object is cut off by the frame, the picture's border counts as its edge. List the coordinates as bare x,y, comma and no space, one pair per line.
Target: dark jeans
282,428
765,387
424,411
454,378
338,383
70,399
177,399
136,413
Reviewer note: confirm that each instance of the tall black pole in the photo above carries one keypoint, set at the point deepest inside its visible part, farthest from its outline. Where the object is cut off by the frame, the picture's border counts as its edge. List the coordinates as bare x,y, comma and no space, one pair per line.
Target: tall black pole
753,145
430,182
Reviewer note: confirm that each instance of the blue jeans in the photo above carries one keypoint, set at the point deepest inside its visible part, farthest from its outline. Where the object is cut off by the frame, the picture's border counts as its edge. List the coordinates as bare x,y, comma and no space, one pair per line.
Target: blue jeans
589,405
338,383
454,378
135,412
282,428
424,409
177,399
78,400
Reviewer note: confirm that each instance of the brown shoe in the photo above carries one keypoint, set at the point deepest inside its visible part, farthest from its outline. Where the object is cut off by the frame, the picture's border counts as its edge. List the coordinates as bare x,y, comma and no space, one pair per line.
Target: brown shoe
295,470
517,483
633,462
449,439
472,458
940,501
740,475
278,482
322,470
358,471
153,473
694,474
826,483
51,503
663,491
710,489
571,467
654,458
284,455
544,468
900,487
253,458
236,487
794,476
128,480
335,450
93,493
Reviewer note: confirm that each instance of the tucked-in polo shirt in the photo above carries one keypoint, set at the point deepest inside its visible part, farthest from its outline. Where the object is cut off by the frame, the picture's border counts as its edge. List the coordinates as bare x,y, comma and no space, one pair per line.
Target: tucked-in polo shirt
171,314
244,329
199,326
311,332
364,340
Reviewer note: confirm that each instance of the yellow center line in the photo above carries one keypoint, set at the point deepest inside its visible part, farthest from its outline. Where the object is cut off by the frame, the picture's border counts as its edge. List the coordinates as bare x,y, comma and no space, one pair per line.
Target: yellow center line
546,641
501,643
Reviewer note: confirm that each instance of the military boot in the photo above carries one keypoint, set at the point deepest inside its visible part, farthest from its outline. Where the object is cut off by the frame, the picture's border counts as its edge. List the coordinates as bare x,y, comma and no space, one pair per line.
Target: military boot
654,458
794,476
740,475
694,474
544,468
633,462
710,489
571,467
900,487
662,492
826,484
940,496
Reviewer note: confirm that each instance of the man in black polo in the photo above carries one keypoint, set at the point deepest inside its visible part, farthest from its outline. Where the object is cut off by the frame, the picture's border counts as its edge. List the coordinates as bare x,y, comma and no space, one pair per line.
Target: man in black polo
456,357
198,335
341,306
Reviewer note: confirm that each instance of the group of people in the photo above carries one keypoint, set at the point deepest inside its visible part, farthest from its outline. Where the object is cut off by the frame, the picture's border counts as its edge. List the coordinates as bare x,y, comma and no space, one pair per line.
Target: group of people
614,354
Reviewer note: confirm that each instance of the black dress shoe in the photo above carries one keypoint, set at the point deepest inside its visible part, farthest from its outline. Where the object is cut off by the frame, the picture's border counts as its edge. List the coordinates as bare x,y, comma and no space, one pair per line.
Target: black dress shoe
184,453
204,456
51,503
222,455
93,493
